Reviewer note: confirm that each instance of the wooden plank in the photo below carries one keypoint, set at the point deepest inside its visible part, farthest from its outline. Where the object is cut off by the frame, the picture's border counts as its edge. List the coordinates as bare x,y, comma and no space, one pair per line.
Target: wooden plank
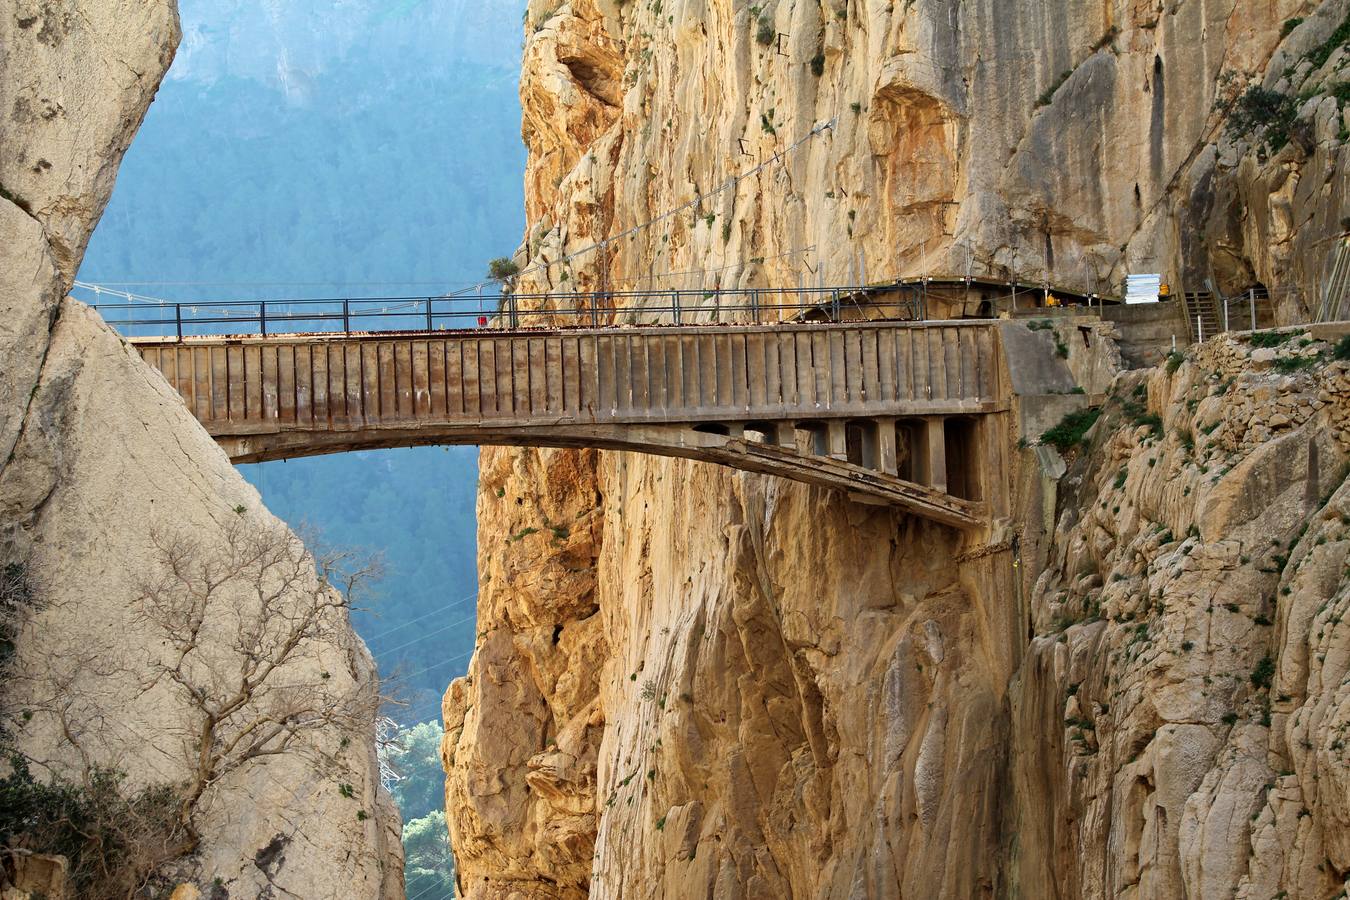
487,378
588,377
951,362
322,410
658,370
840,376
436,397
805,344
253,387
304,384
640,367
220,391
346,384
871,378
269,382
691,372
554,376
421,378
919,368
370,382
456,383
724,397
385,406
623,374
470,367
740,371
286,383
821,372
572,377
886,364
403,380
606,400
540,372
183,380
989,364
510,388
201,381
758,369
853,362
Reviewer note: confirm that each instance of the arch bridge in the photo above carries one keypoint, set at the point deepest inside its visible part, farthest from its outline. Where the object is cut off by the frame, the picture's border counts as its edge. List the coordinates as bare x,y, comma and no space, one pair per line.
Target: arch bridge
908,413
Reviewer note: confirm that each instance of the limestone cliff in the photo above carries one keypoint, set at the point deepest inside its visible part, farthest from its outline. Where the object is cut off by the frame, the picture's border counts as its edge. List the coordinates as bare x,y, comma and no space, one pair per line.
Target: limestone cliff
164,624
695,682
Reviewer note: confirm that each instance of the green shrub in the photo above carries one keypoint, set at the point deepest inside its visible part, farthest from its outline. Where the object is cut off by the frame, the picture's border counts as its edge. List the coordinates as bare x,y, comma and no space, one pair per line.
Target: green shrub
1072,429
1288,365
1290,25
1342,350
1264,672
764,33
112,841
1174,361
1265,115
502,268
1269,339
1319,56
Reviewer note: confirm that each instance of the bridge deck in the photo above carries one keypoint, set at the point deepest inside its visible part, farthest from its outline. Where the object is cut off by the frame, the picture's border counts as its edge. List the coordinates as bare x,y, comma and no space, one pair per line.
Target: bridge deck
686,391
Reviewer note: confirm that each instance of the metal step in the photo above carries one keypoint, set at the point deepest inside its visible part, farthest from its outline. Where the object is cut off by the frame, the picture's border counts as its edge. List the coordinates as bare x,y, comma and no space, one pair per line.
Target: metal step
1336,289
1202,315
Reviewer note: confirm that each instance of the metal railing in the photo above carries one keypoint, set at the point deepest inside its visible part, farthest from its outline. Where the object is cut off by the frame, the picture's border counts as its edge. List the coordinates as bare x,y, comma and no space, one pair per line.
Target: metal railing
352,315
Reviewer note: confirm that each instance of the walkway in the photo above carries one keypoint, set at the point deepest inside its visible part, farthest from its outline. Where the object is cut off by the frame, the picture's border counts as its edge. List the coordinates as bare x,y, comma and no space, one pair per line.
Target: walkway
902,413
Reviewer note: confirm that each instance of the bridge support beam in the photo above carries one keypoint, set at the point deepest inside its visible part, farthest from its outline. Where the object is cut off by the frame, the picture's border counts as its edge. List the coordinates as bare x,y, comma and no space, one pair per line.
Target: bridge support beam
837,436
934,454
887,458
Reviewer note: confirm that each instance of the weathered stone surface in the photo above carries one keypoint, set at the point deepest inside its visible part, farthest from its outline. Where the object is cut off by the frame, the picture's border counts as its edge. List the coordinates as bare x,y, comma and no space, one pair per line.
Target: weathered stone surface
842,703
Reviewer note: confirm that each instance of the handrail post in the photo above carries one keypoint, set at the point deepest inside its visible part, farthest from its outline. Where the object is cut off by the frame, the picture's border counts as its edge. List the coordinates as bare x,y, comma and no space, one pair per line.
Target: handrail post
754,304
834,305
675,305
428,314
514,315
262,317
178,319
1251,305
346,317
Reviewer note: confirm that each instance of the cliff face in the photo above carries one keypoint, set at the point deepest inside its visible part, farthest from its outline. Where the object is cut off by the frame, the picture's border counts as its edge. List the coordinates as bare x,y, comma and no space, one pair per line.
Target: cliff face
164,624
695,682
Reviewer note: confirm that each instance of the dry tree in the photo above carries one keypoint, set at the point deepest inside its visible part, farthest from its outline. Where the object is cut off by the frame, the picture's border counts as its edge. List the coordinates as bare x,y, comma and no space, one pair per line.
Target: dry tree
248,625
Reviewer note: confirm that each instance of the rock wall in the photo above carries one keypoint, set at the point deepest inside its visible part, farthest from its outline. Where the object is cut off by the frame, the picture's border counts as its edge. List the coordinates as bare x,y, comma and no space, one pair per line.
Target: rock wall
105,481
695,682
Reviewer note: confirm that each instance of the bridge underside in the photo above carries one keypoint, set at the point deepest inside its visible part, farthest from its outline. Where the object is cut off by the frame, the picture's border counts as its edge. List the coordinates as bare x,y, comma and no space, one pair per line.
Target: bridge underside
872,461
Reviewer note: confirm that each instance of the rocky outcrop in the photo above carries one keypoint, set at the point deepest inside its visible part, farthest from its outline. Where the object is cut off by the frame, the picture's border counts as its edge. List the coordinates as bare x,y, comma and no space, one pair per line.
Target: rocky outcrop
733,686
1177,725
165,625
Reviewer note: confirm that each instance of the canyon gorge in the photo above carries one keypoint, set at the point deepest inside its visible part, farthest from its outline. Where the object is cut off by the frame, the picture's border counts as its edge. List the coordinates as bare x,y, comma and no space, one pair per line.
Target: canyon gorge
693,681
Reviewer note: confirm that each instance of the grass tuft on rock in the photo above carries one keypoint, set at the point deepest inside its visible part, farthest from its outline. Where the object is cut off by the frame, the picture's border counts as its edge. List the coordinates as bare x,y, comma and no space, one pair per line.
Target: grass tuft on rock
1072,429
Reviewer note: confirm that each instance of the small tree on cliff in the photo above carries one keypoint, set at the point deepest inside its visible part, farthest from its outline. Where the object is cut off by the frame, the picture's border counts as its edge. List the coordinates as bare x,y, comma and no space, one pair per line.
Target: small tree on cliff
502,269
250,628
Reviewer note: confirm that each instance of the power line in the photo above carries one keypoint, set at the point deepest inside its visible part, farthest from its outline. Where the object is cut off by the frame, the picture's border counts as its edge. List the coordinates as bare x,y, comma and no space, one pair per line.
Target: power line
451,605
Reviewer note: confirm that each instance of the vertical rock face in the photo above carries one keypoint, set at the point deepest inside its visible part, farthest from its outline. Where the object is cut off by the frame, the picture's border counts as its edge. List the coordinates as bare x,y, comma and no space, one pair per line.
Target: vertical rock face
694,682
123,660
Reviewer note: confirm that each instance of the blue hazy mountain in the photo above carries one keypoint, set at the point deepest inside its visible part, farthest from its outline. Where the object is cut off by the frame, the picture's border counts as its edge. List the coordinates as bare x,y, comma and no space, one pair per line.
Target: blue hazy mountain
315,148
358,148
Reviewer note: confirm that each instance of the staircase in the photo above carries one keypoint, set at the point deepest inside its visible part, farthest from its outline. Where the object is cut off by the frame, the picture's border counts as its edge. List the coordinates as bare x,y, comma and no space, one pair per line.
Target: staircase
1336,291
1202,315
